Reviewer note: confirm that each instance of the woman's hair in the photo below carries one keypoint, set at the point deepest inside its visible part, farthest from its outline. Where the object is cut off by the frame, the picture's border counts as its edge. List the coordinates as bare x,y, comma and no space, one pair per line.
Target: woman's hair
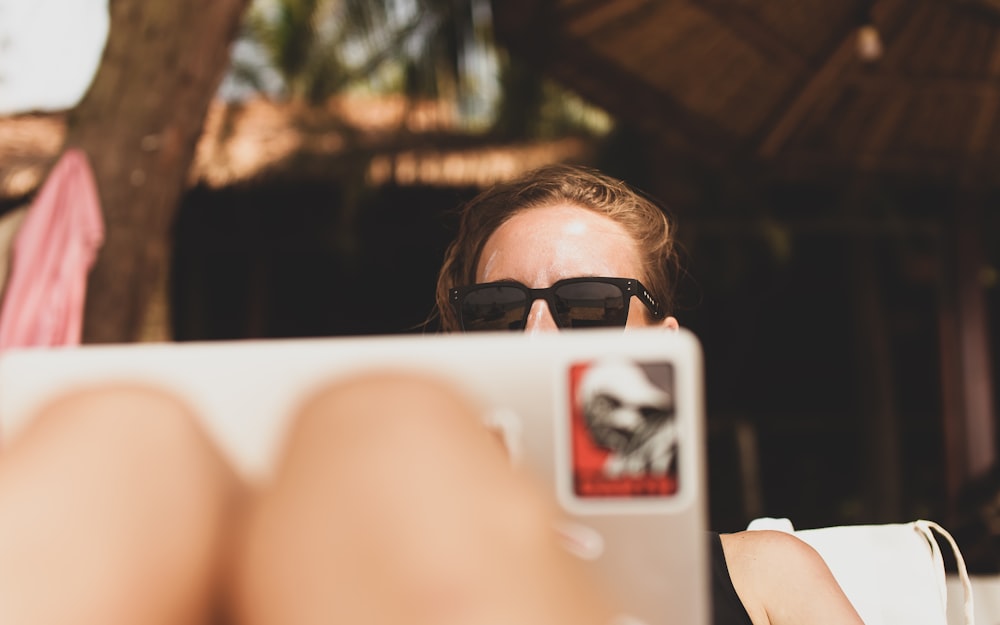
642,218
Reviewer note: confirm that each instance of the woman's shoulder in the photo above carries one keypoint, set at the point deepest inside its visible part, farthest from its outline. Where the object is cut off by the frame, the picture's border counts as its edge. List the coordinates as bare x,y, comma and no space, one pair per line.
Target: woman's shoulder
781,578
754,545
758,559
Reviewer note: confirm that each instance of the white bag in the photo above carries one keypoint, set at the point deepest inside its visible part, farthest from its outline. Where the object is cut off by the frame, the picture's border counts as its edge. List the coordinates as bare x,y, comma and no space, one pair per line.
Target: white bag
893,573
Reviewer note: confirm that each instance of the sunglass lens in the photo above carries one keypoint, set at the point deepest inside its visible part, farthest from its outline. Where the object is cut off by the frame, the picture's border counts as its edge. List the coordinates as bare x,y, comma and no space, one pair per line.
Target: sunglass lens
494,308
590,305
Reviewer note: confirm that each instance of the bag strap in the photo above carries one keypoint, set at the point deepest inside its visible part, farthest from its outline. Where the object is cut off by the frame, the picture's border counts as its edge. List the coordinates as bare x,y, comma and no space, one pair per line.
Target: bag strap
927,530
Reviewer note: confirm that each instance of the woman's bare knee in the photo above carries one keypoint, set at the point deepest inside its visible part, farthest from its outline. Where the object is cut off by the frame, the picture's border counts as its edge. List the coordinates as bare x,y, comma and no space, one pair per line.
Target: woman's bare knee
113,499
400,439
378,405
399,499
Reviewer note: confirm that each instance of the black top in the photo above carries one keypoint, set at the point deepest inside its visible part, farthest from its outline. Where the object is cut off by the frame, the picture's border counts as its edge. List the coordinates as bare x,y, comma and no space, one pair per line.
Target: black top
727,609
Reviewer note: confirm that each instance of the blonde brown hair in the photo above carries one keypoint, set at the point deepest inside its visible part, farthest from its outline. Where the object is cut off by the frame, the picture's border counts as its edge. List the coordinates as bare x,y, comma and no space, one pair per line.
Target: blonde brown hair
644,220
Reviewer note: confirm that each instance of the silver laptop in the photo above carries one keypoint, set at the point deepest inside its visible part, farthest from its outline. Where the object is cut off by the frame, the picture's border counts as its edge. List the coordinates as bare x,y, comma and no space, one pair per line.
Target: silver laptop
612,422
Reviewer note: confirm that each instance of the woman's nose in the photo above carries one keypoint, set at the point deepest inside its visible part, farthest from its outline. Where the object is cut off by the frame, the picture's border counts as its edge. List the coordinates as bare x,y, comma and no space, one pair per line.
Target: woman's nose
540,319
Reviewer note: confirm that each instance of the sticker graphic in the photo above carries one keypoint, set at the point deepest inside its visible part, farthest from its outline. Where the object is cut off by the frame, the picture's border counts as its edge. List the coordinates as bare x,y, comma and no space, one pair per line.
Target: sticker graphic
624,438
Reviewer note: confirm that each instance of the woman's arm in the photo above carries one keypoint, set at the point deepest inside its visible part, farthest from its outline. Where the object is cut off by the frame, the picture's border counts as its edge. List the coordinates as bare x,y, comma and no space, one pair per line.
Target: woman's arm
782,580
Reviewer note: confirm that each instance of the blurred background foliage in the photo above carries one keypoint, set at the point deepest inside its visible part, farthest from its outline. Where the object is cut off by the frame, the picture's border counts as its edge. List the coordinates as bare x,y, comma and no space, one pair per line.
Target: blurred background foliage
310,50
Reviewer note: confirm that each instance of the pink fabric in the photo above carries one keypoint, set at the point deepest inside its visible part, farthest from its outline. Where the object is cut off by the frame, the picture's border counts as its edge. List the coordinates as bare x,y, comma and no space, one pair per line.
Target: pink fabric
52,255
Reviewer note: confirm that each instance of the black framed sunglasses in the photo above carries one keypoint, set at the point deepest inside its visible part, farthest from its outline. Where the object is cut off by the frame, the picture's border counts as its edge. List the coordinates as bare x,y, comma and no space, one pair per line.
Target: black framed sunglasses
574,303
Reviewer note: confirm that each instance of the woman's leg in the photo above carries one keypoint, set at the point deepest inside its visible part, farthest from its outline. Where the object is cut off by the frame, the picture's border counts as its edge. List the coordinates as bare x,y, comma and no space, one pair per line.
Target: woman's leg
113,505
393,506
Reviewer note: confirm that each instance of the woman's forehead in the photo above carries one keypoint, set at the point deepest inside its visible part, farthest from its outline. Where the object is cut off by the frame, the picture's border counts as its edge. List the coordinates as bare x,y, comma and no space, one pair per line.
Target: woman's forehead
563,218
557,241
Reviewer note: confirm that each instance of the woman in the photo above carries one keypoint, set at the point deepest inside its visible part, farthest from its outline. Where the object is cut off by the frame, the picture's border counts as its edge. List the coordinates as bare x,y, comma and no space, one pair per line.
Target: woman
115,507
566,247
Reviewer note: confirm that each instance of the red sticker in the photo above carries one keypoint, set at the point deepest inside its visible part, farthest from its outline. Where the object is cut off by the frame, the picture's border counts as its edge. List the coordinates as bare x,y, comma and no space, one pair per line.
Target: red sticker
624,438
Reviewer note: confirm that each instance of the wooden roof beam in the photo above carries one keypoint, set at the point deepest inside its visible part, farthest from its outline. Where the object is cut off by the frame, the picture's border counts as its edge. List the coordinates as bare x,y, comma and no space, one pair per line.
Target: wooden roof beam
806,97
831,69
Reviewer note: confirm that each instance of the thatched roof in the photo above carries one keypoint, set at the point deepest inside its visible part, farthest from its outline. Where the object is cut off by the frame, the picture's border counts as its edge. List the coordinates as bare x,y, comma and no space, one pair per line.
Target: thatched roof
784,83
386,139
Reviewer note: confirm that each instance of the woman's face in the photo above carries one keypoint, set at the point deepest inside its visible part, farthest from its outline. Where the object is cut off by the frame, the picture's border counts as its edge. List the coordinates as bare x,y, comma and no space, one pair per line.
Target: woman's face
540,246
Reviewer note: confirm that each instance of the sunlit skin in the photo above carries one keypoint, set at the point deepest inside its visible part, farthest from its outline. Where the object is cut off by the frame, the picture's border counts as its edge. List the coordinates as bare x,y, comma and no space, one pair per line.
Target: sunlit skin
540,246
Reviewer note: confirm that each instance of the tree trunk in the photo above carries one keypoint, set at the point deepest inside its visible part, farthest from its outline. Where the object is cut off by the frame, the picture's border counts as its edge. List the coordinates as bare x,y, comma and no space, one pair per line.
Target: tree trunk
139,124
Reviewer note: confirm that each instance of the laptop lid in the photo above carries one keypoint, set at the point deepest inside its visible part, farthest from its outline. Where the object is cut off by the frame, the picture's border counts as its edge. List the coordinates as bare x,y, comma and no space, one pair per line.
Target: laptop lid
611,422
